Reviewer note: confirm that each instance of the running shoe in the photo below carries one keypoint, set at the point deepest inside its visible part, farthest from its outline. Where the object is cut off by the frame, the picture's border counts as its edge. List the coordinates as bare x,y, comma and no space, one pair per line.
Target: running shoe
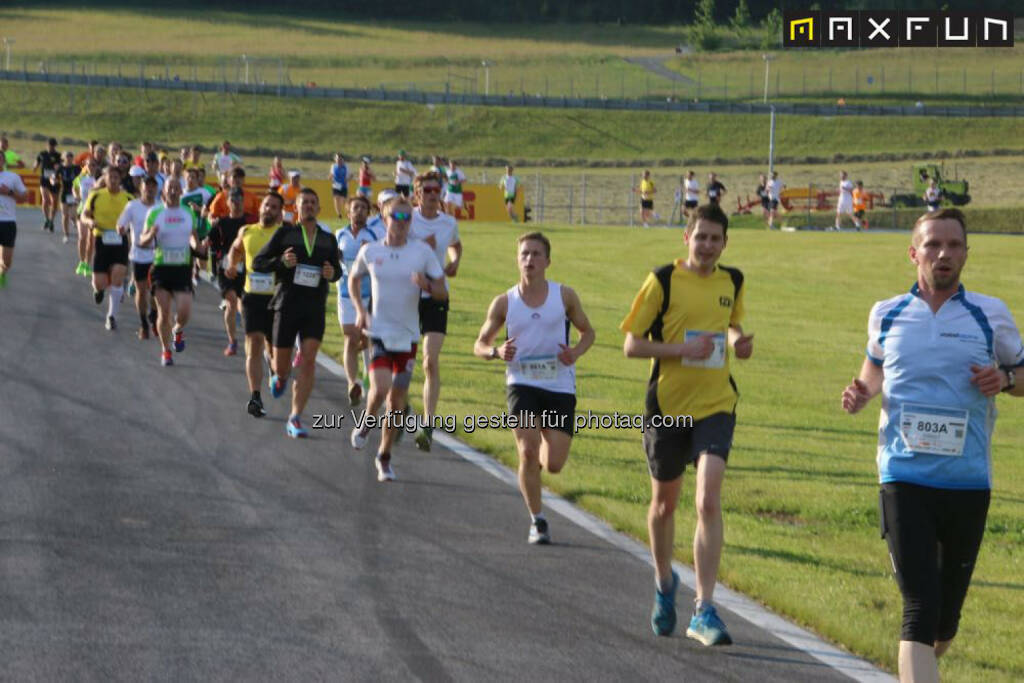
663,615
384,471
222,306
295,429
111,323
539,534
87,272
255,408
277,386
707,628
179,340
355,394
231,349
65,239
80,268
424,437
3,280
358,437
166,359
97,296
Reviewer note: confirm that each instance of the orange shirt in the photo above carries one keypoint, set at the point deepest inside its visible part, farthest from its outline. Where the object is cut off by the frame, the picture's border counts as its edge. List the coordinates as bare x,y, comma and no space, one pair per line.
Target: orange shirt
290,194
860,200
250,206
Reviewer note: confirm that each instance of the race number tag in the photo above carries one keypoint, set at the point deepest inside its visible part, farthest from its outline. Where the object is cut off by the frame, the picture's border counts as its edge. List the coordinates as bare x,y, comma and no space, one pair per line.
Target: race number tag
261,283
306,276
933,429
336,186
539,368
112,238
175,256
717,357
396,343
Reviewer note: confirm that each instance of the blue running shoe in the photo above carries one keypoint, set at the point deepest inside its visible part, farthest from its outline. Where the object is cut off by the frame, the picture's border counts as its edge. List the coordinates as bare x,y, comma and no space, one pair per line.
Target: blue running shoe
179,340
276,385
707,627
663,616
295,429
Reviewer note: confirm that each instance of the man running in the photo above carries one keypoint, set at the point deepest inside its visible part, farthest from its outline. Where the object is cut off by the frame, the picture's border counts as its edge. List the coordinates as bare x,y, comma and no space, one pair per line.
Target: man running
938,355
441,233
404,174
366,178
48,164
133,221
647,191
218,206
509,188
350,240
692,196
775,187
225,160
66,175
455,178
82,186
400,269
290,192
172,228
305,259
860,204
339,184
11,158
110,244
715,189
222,235
684,318
933,195
540,371
845,204
258,291
12,191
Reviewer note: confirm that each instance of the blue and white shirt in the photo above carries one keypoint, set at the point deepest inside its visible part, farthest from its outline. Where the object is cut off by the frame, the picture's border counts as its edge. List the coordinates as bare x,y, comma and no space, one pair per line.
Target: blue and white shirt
349,245
339,177
930,409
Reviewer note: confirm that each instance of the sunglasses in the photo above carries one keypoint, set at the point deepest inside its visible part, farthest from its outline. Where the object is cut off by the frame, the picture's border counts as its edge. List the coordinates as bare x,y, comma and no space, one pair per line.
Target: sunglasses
401,216
430,190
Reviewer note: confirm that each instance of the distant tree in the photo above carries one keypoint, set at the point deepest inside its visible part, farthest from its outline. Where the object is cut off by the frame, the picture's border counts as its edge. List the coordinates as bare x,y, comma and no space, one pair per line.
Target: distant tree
772,26
741,19
704,13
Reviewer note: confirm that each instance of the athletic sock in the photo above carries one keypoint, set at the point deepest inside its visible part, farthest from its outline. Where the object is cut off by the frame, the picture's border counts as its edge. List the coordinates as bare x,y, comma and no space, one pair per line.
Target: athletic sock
700,605
255,396
114,302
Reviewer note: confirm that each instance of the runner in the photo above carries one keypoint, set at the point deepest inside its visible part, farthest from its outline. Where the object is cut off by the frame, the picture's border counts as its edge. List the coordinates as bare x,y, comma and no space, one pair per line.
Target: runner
12,191
938,356
366,178
845,204
440,231
692,194
222,236
133,221
509,187
684,318
540,371
172,229
715,189
197,197
218,206
290,192
933,195
399,270
258,291
124,164
766,203
81,159
775,187
275,177
350,239
455,177
404,174
225,160
48,164
647,191
145,149
11,159
82,186
860,204
339,184
153,171
305,259
66,176
103,207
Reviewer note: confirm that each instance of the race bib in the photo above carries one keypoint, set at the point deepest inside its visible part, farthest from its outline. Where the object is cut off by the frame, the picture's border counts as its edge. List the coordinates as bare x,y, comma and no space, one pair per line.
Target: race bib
717,357
174,256
306,276
49,174
261,283
336,186
933,429
539,368
396,343
111,238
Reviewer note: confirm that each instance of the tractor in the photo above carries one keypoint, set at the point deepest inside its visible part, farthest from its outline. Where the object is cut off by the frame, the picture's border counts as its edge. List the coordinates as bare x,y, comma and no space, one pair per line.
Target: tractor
953,191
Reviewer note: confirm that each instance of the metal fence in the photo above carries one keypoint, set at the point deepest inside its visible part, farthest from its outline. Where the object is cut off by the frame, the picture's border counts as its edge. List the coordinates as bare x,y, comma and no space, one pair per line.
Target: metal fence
251,77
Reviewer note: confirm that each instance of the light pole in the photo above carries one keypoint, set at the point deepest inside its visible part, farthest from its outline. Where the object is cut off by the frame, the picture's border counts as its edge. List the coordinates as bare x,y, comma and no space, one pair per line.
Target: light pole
767,62
487,76
7,46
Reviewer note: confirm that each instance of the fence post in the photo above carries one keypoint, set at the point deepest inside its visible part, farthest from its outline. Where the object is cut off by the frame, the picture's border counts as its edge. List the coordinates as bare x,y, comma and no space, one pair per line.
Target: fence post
883,79
583,201
856,81
570,204
629,195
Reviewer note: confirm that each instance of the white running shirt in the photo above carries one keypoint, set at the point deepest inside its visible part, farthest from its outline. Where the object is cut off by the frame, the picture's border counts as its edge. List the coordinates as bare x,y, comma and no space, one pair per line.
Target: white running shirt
134,216
404,172
538,333
692,190
445,230
8,207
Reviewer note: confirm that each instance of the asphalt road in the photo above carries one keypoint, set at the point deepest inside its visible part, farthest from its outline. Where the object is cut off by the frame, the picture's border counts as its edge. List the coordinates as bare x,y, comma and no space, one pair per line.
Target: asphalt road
153,530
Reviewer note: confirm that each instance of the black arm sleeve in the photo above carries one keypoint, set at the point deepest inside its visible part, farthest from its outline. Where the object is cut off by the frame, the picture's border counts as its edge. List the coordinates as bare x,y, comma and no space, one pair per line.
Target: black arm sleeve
269,258
335,259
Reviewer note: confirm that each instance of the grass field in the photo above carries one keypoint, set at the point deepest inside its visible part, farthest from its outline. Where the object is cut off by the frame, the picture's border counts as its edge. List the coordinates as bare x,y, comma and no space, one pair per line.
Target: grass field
801,494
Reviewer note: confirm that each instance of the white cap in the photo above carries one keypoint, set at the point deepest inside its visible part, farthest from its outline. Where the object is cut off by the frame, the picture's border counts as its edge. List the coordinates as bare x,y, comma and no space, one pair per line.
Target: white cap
385,196
136,171
293,174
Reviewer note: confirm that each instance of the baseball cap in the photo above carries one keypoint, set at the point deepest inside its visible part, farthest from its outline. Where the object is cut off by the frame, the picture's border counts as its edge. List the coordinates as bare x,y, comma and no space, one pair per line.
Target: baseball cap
294,174
137,172
386,196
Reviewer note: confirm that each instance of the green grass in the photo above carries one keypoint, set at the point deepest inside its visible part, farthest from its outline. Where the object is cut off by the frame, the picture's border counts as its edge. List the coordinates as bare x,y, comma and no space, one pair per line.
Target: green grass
801,495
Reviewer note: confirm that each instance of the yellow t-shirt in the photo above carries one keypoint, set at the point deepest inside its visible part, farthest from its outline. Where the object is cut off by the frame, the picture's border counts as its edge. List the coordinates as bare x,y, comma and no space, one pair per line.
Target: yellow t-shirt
696,305
646,189
254,238
106,208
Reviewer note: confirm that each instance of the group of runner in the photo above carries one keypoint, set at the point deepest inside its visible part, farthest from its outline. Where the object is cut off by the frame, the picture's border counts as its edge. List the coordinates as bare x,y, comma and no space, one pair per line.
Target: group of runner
938,387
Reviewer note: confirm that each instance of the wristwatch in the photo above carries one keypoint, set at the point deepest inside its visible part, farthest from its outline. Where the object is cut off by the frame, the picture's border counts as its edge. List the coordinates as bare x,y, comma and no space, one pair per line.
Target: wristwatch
1011,380
495,355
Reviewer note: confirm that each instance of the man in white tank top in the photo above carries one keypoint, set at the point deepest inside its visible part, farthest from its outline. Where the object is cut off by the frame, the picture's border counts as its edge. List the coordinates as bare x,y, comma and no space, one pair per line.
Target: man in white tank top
845,203
540,370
